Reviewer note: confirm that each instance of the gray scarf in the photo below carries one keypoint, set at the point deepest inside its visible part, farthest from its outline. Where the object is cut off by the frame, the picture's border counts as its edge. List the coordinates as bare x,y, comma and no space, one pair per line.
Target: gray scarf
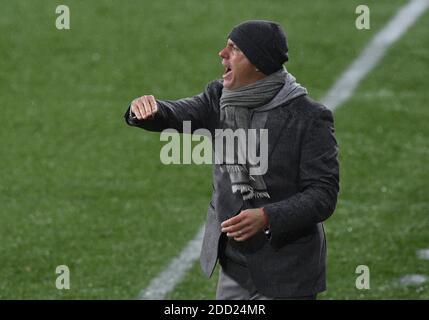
237,108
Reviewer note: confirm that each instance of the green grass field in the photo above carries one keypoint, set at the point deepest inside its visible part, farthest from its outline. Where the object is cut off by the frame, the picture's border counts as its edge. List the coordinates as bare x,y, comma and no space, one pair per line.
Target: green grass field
78,187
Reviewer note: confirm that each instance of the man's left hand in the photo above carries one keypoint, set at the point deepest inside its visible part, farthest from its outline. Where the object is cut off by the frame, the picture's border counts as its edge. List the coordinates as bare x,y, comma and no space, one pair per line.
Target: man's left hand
246,224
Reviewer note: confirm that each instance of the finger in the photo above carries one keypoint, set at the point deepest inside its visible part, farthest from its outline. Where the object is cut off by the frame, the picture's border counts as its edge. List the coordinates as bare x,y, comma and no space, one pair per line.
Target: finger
147,106
240,233
243,215
142,107
238,226
243,237
232,221
135,110
143,103
246,235
153,105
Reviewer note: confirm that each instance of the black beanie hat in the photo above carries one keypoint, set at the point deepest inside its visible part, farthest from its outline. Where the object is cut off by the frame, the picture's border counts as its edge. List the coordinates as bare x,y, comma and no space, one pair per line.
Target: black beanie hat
263,42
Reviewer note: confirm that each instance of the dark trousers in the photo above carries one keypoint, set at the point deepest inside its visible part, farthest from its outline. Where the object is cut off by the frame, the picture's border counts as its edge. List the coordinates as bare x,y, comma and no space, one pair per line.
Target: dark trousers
229,289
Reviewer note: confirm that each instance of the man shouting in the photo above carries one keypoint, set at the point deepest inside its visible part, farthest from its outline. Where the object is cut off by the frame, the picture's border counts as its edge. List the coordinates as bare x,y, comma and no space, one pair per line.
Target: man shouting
265,229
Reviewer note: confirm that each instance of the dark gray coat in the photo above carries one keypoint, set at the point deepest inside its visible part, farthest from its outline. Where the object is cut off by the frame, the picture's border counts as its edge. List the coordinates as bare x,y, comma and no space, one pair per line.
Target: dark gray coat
302,180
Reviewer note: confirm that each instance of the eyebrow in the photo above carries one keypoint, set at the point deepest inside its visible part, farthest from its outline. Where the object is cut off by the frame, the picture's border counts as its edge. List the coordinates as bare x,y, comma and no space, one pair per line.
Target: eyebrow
230,44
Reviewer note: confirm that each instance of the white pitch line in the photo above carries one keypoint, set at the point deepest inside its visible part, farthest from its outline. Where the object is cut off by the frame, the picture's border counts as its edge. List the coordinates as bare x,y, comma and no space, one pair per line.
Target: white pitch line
342,89
176,270
423,254
413,280
346,84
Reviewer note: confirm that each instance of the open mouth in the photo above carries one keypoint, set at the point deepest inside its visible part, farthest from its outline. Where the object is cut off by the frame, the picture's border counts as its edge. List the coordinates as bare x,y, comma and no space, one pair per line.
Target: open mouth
227,72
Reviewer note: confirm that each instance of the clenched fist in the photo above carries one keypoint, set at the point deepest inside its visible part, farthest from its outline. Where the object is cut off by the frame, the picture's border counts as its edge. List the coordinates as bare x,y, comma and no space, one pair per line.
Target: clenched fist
144,107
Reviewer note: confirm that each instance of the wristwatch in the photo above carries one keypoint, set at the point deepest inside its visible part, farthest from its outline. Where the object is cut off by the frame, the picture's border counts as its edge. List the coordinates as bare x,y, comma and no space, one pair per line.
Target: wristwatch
267,232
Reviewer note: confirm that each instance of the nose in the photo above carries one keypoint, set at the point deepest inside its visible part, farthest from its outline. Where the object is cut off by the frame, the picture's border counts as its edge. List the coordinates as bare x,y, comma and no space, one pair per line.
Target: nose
223,53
